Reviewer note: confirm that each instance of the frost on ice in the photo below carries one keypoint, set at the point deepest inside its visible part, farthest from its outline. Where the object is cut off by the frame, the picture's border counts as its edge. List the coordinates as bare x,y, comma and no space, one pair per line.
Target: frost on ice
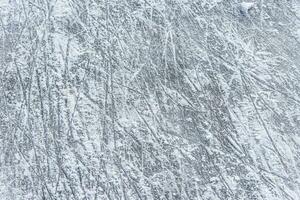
149,100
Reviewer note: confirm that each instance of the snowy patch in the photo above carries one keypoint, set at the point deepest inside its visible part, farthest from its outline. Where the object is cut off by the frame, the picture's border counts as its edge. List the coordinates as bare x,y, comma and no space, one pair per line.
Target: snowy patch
61,8
4,3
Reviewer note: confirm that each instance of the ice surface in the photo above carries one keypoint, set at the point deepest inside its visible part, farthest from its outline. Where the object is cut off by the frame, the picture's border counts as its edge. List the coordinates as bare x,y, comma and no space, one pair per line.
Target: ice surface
149,100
